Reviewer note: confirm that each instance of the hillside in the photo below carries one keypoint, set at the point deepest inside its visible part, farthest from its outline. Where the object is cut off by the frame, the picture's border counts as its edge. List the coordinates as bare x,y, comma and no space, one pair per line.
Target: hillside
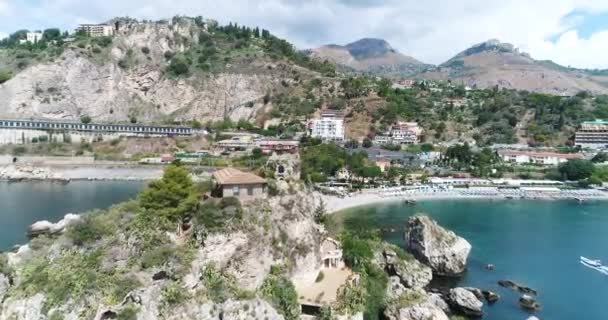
493,63
370,56
165,71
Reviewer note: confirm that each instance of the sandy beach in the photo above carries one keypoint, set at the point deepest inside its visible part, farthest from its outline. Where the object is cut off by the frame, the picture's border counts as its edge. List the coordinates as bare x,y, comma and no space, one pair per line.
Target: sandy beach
369,197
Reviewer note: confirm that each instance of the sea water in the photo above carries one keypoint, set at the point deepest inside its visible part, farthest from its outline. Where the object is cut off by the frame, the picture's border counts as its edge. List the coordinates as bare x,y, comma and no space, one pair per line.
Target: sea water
535,243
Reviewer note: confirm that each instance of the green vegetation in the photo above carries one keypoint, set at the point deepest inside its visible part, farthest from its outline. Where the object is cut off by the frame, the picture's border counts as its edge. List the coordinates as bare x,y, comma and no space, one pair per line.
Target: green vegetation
319,162
172,198
359,245
279,290
576,169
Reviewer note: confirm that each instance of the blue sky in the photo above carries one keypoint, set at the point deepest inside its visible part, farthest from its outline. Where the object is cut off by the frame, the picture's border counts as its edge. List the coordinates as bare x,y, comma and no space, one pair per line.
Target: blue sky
570,32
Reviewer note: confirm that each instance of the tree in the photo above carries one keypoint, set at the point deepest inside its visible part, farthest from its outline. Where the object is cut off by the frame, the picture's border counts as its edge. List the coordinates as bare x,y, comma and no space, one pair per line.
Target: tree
367,143
598,158
257,153
576,169
426,147
51,34
320,211
174,197
352,144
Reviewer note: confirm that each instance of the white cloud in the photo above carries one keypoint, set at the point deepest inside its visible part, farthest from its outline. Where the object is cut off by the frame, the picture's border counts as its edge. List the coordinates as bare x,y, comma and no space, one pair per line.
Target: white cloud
430,30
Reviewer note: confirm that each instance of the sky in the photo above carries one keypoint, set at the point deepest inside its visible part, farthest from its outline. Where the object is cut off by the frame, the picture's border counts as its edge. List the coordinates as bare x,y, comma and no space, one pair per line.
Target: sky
569,32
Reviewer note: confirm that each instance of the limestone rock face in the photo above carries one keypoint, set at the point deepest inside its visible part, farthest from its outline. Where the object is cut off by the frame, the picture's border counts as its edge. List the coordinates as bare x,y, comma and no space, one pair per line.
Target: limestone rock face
80,83
4,285
413,304
244,310
442,250
465,301
410,272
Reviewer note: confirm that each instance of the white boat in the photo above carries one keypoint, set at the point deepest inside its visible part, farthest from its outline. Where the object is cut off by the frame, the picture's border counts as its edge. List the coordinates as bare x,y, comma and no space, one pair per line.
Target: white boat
594,264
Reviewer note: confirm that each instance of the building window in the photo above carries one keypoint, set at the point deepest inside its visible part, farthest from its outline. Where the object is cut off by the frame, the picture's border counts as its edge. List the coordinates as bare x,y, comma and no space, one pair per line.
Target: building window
250,191
236,191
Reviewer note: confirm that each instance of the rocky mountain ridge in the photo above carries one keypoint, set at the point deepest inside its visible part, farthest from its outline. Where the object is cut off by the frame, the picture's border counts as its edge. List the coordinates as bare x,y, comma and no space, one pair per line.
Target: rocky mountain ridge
483,65
370,56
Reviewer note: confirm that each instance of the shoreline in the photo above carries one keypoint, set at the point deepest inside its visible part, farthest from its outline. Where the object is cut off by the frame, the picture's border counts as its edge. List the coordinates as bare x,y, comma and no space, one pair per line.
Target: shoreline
78,172
334,204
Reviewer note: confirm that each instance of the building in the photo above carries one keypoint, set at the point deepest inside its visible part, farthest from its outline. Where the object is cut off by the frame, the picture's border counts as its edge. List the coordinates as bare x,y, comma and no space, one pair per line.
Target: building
245,186
270,146
401,133
592,135
235,143
331,254
96,30
539,158
31,37
329,127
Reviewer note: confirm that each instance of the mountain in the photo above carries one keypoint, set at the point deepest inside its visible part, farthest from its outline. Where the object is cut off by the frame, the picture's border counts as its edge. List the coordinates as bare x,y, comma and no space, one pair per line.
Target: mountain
369,55
493,63
179,69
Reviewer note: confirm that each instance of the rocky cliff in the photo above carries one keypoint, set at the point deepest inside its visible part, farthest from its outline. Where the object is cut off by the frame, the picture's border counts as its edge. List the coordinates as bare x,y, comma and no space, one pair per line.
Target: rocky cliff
127,77
441,249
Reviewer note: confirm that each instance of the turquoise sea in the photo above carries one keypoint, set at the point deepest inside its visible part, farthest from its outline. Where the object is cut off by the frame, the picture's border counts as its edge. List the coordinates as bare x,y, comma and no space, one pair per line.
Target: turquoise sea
24,203
535,243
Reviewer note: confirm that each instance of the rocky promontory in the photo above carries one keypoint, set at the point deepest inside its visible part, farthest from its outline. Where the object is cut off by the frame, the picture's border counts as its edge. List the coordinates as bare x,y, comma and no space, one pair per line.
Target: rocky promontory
441,249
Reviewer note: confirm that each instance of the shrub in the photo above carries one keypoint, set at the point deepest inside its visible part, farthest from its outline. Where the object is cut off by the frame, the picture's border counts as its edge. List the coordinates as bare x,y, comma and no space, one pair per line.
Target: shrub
168,55
89,230
85,119
145,50
5,75
230,202
320,277
96,50
178,66
281,293
156,257
128,313
173,294
123,63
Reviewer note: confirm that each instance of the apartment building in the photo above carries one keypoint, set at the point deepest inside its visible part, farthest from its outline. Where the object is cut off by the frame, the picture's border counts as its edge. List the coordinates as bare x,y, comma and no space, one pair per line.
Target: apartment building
539,158
592,135
330,127
96,30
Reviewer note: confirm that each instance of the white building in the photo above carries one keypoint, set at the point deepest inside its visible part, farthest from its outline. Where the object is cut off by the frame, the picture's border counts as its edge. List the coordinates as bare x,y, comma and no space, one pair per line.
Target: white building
328,127
540,158
592,135
31,37
96,30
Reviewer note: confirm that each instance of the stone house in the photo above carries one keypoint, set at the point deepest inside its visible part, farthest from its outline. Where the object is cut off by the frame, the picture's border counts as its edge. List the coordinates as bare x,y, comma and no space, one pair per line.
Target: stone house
245,186
331,254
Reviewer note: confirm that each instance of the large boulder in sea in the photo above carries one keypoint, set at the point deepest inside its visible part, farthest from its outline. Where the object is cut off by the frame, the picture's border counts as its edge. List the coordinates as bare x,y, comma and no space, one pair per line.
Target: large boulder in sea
465,302
441,249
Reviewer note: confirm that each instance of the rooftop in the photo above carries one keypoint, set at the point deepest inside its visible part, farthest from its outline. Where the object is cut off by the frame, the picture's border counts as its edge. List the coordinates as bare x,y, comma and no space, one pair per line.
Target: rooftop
233,176
541,154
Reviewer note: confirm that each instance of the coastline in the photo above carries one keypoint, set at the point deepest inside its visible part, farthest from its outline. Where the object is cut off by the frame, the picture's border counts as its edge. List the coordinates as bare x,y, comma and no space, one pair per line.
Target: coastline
335,204
92,172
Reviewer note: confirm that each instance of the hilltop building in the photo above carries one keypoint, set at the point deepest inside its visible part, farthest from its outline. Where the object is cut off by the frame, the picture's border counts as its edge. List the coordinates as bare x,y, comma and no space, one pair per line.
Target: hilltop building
592,135
31,37
539,158
329,127
245,186
96,30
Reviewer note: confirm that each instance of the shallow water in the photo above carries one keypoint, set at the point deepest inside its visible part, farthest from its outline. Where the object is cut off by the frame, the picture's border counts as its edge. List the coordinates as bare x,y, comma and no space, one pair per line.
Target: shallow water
535,243
22,204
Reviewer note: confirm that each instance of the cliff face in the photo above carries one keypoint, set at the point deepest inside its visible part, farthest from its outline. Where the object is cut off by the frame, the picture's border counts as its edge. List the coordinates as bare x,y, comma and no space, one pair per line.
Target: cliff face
216,276
128,79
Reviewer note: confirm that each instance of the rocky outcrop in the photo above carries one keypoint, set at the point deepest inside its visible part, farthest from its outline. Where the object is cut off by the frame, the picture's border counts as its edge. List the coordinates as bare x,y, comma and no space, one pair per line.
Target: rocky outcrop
4,285
46,227
490,296
18,173
517,287
442,250
465,302
413,304
528,302
410,272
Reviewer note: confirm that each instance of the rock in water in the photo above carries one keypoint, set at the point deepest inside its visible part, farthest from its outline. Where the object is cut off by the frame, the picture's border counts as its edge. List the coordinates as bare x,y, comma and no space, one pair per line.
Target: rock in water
528,302
442,250
465,301
490,296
